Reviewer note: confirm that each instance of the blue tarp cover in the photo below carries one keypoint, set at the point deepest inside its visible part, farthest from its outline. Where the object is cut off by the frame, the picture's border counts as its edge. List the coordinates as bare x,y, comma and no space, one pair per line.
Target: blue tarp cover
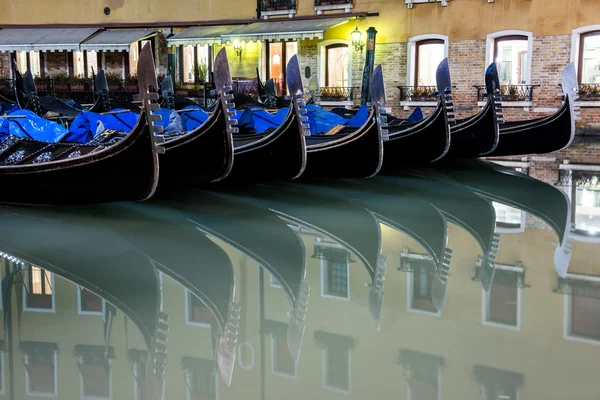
193,119
32,127
83,128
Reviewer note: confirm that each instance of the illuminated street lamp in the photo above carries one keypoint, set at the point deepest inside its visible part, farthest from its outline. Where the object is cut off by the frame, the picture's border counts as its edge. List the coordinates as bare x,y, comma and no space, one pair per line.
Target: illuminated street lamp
356,40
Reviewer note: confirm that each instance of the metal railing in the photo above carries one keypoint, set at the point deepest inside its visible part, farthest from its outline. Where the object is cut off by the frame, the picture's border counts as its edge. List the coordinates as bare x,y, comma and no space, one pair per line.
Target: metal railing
509,92
589,92
331,2
337,93
418,93
277,5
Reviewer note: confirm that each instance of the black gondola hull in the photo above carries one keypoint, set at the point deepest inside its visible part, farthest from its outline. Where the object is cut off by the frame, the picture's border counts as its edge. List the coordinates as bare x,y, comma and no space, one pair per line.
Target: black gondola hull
200,156
475,136
358,155
422,143
126,170
279,155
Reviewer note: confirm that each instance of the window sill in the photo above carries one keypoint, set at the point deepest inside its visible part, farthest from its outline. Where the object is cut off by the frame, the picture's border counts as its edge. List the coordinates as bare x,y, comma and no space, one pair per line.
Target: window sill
267,14
588,103
343,103
345,7
407,104
510,104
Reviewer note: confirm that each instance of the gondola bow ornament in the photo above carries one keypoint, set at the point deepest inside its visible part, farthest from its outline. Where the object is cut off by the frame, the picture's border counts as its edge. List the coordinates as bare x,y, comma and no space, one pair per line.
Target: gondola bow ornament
377,90
294,82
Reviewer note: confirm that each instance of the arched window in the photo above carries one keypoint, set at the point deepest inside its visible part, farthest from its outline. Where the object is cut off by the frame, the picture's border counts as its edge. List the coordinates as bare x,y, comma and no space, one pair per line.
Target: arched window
511,50
336,65
589,58
512,59
428,55
424,53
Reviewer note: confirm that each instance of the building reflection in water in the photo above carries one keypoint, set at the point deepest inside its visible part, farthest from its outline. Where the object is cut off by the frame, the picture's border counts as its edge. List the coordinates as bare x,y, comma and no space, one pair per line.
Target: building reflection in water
272,291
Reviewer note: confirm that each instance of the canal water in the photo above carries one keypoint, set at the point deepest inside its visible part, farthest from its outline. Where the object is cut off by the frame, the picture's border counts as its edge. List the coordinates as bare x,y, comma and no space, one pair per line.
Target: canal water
470,281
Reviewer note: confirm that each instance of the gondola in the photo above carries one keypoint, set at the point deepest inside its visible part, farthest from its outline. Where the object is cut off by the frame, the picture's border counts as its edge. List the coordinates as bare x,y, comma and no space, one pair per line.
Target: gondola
458,205
353,228
280,154
408,214
425,141
543,135
127,278
478,135
27,98
357,154
177,249
263,237
33,172
204,154
515,189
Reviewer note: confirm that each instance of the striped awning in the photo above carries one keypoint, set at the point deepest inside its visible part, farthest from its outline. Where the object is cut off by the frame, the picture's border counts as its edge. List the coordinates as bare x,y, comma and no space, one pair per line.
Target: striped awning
116,40
44,39
201,35
288,29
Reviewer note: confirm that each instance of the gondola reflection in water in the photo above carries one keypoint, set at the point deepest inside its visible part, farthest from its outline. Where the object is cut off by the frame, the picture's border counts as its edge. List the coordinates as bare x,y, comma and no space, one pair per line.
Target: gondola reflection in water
314,289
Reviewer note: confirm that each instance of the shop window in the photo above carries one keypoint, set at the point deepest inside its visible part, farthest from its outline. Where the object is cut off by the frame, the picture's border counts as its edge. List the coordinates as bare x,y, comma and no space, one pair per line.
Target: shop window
420,281
336,353
589,58
502,303
38,293
337,66
40,365
428,55
279,54
196,311
200,378
89,303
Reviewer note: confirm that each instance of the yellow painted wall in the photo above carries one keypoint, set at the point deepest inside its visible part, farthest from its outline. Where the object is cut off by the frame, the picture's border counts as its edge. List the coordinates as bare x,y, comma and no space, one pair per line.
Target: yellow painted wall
461,19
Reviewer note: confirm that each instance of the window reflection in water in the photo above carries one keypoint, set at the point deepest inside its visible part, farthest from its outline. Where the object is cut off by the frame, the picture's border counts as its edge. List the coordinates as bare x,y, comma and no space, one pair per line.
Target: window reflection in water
587,202
507,216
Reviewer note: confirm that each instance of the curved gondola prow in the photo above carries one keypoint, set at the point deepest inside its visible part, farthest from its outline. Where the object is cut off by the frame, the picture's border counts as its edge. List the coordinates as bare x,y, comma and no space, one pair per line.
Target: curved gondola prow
444,86
570,88
377,92
224,87
147,85
103,103
492,86
18,87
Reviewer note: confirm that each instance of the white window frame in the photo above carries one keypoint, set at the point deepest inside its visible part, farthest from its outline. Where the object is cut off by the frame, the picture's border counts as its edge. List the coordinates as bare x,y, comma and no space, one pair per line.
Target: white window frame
489,58
41,310
410,289
567,311
322,62
324,282
273,362
575,47
567,190
439,386
80,311
482,390
485,301
325,359
110,386
347,7
411,67
188,385
40,394
187,311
